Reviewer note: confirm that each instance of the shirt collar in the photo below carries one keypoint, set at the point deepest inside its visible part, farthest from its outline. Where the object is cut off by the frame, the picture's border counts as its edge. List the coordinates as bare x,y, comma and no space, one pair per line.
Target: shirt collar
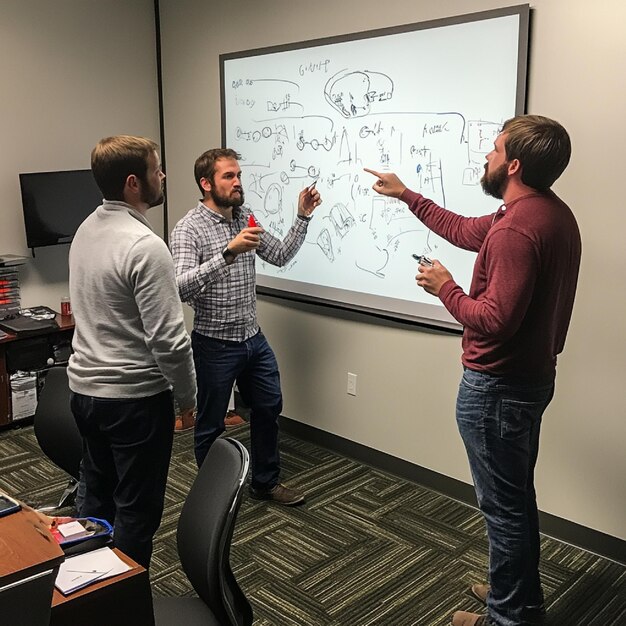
532,194
218,217
118,205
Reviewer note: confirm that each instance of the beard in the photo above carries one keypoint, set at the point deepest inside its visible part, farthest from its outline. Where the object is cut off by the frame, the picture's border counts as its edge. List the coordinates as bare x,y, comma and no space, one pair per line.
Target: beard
494,183
224,201
157,199
152,197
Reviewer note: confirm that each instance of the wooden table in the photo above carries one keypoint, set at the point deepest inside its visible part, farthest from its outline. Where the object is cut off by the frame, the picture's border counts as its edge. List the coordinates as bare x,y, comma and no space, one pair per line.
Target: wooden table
122,599
29,562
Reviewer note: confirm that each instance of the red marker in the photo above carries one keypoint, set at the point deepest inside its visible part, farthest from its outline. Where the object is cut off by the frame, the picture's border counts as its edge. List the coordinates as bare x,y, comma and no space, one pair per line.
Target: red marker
251,221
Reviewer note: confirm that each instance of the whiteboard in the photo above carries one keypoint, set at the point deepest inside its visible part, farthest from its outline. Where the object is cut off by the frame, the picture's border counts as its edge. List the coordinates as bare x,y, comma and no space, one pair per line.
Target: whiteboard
425,101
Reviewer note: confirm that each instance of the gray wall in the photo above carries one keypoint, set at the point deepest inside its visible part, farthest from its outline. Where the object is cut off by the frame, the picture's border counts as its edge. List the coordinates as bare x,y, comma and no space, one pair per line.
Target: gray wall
71,72
407,378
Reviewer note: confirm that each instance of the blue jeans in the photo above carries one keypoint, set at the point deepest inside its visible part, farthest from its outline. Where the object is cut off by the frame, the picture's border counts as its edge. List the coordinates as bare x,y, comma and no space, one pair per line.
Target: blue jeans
127,445
499,420
253,366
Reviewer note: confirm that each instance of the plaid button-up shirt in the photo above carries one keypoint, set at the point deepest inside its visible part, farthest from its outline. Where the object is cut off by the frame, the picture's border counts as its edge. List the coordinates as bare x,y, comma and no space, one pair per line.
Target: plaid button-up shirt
223,296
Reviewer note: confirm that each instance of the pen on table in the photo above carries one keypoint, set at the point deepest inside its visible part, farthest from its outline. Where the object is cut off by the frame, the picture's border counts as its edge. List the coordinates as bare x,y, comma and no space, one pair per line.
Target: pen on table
82,574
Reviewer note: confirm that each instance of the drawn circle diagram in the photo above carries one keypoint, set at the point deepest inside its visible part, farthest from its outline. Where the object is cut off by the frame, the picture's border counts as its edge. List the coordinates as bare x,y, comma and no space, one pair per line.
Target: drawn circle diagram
347,92
273,202
352,92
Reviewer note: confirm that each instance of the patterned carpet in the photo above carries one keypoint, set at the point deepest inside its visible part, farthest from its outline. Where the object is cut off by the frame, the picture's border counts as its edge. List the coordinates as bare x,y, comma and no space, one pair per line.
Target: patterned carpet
366,549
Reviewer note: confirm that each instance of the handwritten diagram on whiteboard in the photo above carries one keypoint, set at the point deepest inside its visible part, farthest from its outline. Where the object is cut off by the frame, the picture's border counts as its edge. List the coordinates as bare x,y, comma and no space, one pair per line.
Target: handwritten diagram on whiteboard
426,104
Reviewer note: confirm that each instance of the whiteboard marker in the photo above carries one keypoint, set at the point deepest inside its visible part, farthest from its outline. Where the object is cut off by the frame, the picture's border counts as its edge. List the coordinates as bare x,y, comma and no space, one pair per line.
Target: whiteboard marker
422,260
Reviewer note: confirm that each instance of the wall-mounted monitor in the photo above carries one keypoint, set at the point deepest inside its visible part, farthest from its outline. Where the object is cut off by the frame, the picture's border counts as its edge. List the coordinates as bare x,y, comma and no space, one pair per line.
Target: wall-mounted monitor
423,100
56,203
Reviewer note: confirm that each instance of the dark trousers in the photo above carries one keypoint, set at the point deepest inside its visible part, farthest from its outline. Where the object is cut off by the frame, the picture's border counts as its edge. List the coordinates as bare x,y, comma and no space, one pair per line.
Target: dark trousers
253,366
126,455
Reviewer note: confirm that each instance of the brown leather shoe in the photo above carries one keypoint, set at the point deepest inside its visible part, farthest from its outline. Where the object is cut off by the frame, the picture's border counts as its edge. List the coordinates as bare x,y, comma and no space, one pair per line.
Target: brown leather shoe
480,591
462,618
232,419
279,495
183,423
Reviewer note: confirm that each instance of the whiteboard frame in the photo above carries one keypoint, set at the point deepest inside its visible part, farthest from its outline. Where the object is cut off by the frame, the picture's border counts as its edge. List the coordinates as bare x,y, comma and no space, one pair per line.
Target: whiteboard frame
431,316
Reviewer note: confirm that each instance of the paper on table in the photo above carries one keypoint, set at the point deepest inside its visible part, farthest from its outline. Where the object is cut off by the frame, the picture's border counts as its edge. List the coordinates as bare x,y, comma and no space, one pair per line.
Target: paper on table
79,571
73,529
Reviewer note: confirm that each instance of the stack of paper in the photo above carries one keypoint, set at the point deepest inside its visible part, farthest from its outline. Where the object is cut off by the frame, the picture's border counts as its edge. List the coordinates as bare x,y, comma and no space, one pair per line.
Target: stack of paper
79,571
73,530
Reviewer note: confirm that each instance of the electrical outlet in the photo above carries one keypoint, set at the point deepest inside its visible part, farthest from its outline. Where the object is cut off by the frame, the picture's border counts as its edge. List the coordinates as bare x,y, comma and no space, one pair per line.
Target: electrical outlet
351,384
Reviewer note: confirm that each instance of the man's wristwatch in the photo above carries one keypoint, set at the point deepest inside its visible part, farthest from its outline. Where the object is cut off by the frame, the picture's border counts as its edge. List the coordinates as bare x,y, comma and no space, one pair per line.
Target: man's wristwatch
229,255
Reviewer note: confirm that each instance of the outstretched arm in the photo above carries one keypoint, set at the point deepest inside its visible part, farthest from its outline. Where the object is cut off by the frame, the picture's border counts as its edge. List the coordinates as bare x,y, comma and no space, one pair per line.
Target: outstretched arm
388,184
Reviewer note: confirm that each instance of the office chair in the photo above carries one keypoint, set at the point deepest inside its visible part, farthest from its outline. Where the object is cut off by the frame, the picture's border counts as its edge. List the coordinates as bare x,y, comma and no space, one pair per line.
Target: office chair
57,432
204,534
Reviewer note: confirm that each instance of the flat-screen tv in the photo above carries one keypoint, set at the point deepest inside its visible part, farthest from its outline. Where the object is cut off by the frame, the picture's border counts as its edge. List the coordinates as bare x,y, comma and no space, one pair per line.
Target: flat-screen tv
55,204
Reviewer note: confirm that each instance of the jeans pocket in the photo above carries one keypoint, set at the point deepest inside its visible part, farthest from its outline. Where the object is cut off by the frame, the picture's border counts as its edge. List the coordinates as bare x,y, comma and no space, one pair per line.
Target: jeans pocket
208,345
516,417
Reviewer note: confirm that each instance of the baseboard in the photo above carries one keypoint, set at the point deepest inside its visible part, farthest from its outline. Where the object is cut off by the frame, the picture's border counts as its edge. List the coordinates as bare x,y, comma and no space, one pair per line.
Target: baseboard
559,528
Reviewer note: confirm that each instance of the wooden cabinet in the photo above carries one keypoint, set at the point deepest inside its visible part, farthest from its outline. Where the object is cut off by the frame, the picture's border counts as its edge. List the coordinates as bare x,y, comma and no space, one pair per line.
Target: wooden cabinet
29,352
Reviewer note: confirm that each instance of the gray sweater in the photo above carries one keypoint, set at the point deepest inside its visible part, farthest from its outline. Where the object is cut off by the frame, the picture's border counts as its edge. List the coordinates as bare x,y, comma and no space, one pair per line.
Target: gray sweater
130,339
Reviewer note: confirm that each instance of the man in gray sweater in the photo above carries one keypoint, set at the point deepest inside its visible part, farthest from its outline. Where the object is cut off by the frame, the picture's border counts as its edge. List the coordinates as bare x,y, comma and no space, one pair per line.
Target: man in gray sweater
132,355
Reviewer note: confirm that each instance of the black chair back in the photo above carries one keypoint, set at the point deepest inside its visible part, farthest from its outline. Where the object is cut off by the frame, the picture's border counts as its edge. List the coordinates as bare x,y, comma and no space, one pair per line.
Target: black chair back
54,425
205,531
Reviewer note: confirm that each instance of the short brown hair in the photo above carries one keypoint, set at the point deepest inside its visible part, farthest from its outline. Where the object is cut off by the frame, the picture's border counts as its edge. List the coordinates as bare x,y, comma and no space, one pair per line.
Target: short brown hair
205,163
114,159
542,147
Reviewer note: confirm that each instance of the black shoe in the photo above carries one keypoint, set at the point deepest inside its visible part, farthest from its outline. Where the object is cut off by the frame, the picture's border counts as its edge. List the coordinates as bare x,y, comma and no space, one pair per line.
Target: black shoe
278,494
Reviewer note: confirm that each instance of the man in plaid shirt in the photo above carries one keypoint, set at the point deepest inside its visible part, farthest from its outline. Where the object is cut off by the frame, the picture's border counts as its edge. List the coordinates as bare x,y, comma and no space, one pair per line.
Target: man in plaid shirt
214,250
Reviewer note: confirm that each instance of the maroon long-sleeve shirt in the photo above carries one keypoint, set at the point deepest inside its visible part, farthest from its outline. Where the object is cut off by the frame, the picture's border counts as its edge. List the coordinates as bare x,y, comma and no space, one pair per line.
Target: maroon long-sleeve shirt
520,302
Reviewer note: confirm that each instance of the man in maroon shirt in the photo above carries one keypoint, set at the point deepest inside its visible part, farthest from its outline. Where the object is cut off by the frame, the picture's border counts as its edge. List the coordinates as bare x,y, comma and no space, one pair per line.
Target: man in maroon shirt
515,320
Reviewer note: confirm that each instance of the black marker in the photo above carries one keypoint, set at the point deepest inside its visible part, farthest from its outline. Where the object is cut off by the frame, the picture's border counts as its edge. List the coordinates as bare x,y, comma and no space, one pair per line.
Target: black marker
422,259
